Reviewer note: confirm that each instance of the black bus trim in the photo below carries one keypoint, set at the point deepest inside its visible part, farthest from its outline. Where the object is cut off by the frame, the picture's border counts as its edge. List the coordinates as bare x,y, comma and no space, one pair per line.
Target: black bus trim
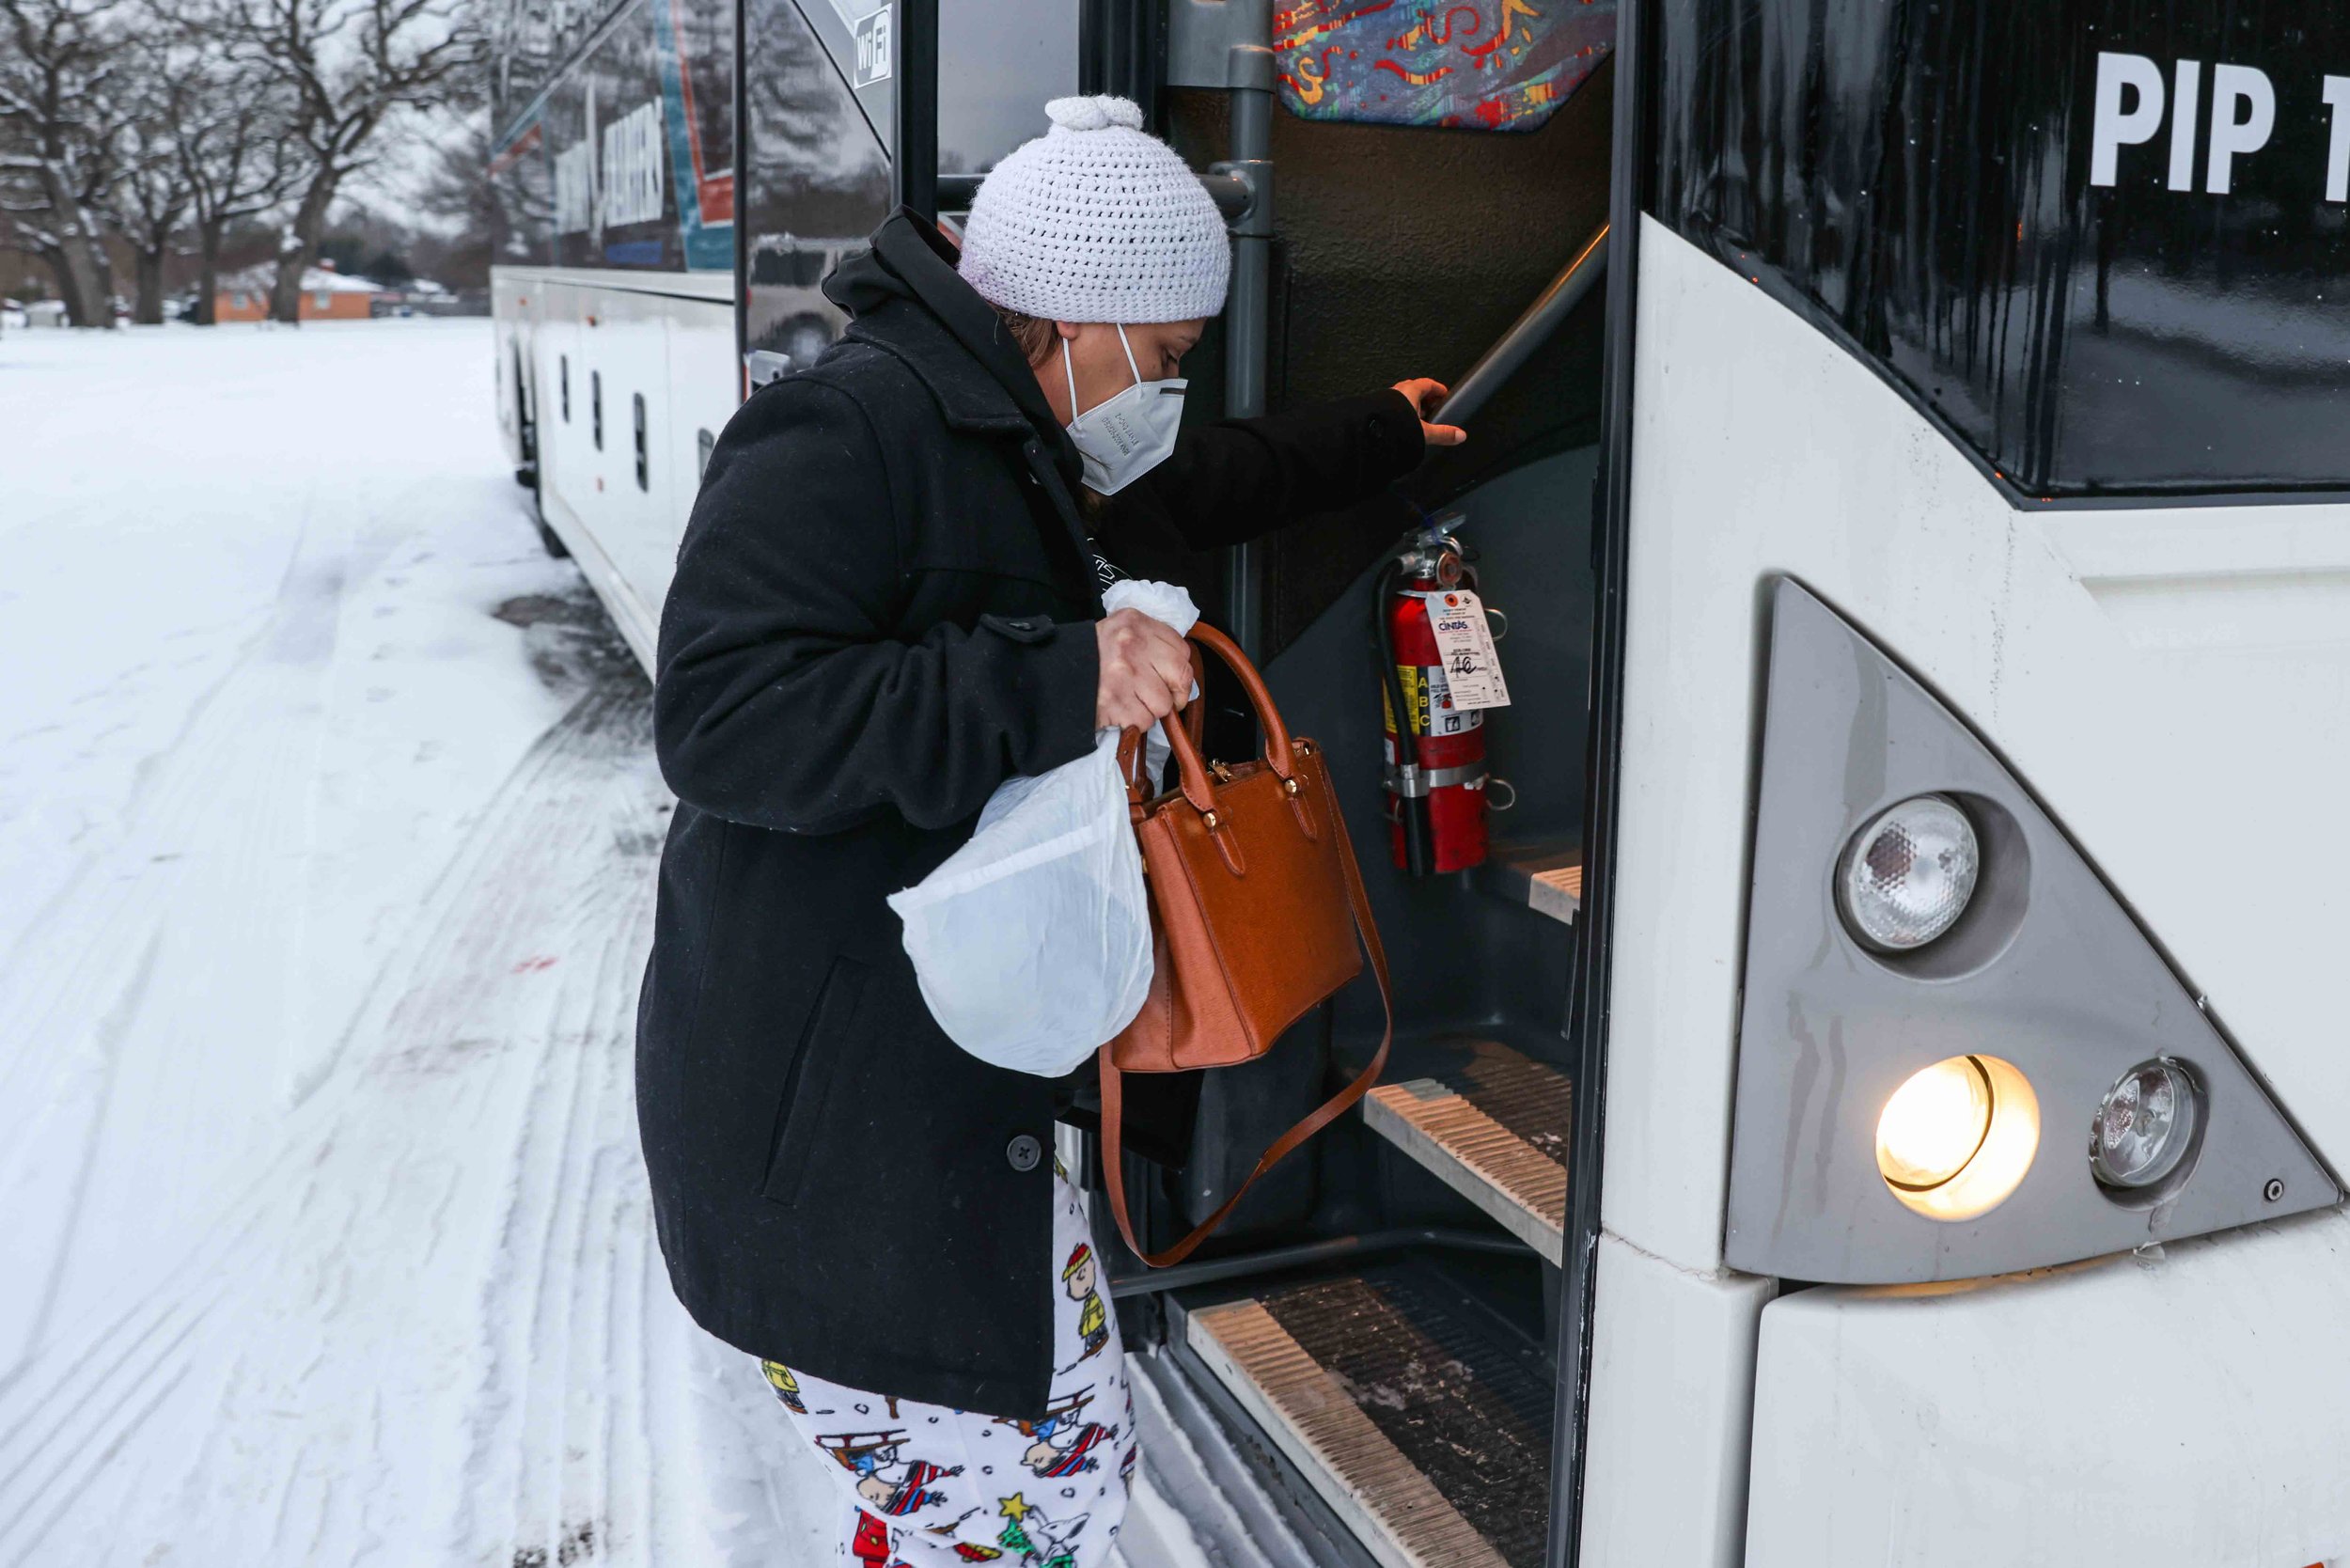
1588,1011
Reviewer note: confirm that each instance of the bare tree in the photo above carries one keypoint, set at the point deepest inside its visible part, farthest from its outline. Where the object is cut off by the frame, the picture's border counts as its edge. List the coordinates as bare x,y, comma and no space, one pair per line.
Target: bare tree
349,67
59,126
150,199
232,131
459,192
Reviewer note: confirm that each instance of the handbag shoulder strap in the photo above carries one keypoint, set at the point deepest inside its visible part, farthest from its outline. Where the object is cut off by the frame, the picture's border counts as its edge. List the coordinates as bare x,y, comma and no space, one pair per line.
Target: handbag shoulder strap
1113,1098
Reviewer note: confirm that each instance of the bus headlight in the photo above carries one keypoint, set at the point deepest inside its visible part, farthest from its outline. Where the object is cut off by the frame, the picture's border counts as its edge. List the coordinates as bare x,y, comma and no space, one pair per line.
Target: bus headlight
1956,1138
1909,873
2145,1125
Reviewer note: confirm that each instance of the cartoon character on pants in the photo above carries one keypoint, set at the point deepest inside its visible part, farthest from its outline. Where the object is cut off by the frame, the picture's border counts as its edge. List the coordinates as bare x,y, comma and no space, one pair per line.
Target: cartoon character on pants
787,1387
871,1545
1064,1441
1041,1541
1094,1319
890,1483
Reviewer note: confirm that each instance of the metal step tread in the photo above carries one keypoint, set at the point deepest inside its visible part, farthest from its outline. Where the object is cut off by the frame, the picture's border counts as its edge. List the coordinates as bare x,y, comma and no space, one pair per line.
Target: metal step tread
1493,1125
1423,1430
1545,878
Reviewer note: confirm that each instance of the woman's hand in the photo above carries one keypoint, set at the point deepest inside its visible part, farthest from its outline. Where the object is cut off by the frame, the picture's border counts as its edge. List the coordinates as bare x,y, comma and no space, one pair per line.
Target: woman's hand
1424,396
1145,670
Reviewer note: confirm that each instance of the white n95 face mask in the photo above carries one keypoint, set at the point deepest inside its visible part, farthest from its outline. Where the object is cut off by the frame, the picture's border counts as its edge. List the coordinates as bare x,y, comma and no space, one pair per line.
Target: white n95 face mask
1130,433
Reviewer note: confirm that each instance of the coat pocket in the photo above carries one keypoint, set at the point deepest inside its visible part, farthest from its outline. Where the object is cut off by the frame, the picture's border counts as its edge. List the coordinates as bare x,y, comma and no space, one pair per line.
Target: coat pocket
827,1039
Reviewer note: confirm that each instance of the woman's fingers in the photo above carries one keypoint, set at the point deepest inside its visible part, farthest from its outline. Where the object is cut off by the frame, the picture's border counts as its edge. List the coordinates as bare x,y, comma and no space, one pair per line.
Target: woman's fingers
1176,673
1427,396
1425,393
1145,670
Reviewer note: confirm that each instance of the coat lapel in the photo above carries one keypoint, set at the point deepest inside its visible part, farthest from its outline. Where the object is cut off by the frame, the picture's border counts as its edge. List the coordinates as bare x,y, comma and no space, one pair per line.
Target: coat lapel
972,400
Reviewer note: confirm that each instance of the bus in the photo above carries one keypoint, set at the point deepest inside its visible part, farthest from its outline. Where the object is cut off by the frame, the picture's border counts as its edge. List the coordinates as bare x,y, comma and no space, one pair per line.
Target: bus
1873,1091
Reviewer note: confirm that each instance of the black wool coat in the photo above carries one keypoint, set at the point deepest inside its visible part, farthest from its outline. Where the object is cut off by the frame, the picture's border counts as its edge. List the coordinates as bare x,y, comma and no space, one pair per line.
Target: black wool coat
881,612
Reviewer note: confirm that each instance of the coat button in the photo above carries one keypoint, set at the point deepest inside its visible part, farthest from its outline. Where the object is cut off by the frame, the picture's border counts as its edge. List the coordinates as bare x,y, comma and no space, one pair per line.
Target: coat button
1023,1152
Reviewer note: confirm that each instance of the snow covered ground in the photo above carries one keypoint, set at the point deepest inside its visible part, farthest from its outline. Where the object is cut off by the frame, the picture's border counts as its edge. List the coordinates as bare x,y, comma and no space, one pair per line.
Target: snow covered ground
327,828
328,824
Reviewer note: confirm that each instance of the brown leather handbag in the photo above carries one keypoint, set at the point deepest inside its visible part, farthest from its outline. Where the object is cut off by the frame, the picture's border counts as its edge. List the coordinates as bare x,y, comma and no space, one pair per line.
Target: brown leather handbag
1256,906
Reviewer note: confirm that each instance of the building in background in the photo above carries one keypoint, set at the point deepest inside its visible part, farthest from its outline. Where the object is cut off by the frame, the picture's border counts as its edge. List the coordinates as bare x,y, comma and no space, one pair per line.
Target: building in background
327,295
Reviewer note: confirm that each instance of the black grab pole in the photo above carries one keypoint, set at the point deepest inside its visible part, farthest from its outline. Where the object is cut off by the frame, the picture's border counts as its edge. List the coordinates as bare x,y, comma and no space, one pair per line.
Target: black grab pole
913,156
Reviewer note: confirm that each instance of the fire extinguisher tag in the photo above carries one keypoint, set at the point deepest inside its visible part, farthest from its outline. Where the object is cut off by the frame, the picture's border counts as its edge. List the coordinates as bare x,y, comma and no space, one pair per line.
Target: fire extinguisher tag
1472,669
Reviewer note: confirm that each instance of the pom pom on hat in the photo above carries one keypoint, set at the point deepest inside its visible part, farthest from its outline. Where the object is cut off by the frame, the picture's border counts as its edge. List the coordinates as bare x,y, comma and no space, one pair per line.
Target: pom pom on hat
1093,114
1096,221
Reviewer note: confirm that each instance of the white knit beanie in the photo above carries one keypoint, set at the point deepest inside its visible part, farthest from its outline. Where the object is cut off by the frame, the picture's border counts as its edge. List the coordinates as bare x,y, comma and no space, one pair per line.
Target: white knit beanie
1096,221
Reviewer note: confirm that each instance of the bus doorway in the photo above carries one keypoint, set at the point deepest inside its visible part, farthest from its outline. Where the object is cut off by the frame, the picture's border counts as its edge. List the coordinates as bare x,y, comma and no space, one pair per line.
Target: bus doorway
1376,1336
1377,1333
1398,1340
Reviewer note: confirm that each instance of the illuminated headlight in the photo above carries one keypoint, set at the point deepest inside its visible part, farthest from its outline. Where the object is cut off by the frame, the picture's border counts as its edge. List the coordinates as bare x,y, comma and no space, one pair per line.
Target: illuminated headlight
2145,1125
1956,1138
1908,874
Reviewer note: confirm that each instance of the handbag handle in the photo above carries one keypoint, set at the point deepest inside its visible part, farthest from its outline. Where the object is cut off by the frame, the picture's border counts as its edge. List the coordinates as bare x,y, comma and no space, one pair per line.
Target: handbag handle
1185,739
1130,750
1113,1093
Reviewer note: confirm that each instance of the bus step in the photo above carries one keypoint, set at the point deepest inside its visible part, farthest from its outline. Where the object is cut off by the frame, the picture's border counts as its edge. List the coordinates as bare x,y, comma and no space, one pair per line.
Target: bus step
1423,1429
1493,1125
1545,878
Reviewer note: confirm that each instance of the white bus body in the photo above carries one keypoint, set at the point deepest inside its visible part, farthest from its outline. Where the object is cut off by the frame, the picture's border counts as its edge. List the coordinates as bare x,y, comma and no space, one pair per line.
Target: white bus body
1937,351
666,337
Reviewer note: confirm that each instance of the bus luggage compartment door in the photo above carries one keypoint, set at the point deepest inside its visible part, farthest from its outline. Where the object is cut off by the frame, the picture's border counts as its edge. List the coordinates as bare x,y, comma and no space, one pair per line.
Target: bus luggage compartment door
2166,1411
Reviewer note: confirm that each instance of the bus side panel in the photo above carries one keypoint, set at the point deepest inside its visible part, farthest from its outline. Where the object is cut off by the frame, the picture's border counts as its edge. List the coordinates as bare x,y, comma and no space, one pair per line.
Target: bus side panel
2157,677
615,345
2176,1411
705,387
1672,1390
623,518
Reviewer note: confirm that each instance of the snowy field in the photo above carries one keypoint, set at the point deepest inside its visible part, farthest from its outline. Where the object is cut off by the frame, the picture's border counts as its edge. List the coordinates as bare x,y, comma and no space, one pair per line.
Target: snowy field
328,825
328,821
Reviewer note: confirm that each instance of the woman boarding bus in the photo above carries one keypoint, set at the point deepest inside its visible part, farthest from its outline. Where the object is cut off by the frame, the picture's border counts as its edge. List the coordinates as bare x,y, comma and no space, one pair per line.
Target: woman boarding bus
887,604
1875,1099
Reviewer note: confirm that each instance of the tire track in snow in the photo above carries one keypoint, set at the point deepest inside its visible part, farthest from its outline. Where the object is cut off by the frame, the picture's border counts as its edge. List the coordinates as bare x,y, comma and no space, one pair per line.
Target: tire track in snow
480,927
96,949
542,1429
409,1310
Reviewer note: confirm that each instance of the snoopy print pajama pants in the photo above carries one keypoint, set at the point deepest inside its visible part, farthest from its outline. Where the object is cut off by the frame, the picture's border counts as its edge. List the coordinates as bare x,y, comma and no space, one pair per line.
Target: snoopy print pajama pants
923,1485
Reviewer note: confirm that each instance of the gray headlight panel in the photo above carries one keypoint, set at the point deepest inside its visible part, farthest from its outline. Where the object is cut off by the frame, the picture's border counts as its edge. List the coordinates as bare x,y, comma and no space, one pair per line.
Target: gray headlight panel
2044,969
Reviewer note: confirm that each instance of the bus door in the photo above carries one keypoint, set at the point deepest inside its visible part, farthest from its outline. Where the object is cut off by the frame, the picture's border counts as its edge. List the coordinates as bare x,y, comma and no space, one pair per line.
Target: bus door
1379,1331
1388,1321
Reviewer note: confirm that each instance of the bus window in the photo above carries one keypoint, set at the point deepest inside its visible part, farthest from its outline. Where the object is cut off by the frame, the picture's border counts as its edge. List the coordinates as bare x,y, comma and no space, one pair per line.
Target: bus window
522,197
816,175
705,40
854,33
1029,50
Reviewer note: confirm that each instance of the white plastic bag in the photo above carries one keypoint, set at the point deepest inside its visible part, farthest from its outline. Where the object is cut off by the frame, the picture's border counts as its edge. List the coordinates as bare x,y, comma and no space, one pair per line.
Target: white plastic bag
1032,942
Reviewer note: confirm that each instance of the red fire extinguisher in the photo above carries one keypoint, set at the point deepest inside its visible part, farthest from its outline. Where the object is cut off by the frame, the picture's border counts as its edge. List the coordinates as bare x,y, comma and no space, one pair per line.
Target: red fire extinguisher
1436,802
